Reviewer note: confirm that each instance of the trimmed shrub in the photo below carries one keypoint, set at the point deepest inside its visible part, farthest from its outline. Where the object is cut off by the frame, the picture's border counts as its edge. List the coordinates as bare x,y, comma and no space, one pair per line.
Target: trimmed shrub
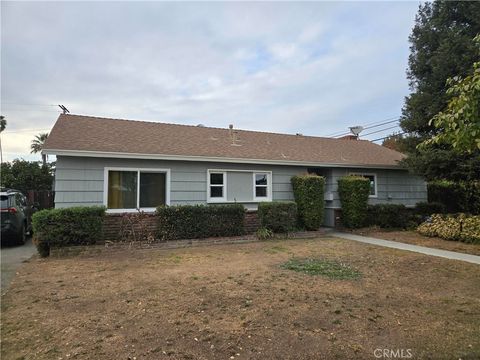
471,230
459,227
429,208
200,221
309,195
278,216
456,196
388,216
354,192
67,227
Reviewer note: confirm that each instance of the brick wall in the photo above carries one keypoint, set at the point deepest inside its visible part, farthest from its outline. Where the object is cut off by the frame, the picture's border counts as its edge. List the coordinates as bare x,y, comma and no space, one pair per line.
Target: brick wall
252,223
112,225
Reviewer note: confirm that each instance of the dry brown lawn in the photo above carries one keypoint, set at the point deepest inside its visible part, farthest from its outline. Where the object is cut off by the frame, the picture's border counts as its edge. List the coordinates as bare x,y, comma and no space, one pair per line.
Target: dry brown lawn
236,302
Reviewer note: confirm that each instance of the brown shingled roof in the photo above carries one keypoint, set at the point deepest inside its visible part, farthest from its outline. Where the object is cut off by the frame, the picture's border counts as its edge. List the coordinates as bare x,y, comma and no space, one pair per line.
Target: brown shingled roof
103,135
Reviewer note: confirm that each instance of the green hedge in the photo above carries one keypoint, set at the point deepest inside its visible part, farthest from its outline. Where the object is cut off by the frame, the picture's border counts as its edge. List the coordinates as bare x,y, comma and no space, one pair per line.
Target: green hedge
456,196
67,227
309,195
388,215
457,227
354,192
429,208
278,216
200,221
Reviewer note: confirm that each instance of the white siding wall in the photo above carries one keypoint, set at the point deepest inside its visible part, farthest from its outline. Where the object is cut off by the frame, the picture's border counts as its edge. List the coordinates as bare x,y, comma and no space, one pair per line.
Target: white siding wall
79,181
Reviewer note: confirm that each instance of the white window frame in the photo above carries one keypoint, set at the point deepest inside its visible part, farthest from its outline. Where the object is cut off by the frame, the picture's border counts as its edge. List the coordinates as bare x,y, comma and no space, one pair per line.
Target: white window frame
268,186
224,187
138,171
254,198
374,181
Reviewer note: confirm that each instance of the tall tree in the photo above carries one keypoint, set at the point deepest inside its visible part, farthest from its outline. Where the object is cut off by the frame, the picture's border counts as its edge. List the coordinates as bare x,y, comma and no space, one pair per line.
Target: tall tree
393,142
37,145
442,47
3,125
459,124
26,175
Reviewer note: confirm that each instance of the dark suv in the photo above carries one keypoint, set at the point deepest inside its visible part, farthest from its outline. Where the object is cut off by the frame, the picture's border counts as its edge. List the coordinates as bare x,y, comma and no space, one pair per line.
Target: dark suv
15,216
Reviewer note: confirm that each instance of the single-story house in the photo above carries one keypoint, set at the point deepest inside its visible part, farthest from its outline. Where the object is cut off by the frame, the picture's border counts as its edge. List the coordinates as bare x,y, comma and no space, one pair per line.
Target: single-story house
125,165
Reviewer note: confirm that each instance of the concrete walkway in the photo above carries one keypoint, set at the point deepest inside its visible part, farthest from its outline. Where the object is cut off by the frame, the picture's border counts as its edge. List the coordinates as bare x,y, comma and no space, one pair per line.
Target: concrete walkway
415,248
12,258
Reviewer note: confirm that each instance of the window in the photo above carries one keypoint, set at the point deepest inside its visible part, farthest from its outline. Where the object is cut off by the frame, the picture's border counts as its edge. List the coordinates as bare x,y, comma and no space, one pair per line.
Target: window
238,186
216,186
128,189
261,185
373,182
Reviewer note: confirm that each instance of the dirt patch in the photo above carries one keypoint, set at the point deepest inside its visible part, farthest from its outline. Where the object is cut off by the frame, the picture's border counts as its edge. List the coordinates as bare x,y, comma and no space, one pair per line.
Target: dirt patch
236,302
412,237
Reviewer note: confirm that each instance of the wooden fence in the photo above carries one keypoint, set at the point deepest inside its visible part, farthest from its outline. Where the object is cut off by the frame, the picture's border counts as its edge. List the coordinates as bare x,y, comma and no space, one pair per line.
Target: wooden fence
44,198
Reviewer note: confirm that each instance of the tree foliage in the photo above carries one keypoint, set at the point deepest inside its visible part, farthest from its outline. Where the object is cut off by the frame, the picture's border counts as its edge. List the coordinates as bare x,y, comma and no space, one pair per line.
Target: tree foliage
37,145
26,175
442,47
459,124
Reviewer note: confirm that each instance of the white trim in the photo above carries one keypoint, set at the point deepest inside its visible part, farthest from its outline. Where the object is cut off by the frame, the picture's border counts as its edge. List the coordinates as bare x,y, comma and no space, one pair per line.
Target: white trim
269,186
222,199
122,155
374,182
254,198
138,170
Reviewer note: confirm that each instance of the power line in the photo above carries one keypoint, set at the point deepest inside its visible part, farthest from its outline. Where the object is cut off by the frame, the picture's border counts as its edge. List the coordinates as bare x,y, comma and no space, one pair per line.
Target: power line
374,132
25,104
369,125
385,137
25,130
50,111
373,126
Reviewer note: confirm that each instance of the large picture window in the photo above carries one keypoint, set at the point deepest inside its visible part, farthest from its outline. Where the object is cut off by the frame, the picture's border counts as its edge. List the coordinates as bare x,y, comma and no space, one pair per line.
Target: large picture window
129,189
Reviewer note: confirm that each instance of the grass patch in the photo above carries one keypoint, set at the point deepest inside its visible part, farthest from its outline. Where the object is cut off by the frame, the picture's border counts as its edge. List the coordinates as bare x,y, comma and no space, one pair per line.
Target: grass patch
328,268
276,249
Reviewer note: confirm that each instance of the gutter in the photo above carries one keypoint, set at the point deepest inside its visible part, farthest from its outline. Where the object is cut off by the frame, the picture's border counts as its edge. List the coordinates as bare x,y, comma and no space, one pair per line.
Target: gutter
106,154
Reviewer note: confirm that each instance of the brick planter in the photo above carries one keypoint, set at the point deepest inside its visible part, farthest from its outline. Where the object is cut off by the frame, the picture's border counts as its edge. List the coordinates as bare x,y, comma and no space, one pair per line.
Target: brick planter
112,225
117,246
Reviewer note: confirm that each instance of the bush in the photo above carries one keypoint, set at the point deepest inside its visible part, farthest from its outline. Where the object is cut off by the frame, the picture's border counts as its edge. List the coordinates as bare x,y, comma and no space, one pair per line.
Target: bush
200,221
354,192
264,234
471,230
456,196
388,216
67,227
278,216
429,208
459,227
309,196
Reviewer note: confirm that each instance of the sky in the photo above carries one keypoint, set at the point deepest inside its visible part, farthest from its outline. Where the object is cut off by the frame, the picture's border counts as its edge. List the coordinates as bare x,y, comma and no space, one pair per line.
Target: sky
314,68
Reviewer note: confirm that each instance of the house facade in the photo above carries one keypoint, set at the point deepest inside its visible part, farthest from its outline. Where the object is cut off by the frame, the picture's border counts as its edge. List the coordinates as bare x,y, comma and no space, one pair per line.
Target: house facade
125,165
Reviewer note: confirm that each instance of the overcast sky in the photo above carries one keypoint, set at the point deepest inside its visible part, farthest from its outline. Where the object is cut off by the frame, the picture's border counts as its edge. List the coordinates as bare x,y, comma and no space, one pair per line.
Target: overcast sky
313,68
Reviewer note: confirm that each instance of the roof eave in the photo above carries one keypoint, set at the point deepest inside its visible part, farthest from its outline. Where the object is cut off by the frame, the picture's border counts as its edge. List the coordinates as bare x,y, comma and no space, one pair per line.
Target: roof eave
105,154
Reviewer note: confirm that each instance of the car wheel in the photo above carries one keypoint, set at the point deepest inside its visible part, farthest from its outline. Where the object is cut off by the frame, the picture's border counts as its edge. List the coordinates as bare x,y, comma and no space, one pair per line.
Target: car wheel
22,237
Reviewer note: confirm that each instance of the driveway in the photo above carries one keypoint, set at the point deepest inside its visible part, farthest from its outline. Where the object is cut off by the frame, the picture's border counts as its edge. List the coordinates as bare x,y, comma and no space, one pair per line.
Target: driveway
12,257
